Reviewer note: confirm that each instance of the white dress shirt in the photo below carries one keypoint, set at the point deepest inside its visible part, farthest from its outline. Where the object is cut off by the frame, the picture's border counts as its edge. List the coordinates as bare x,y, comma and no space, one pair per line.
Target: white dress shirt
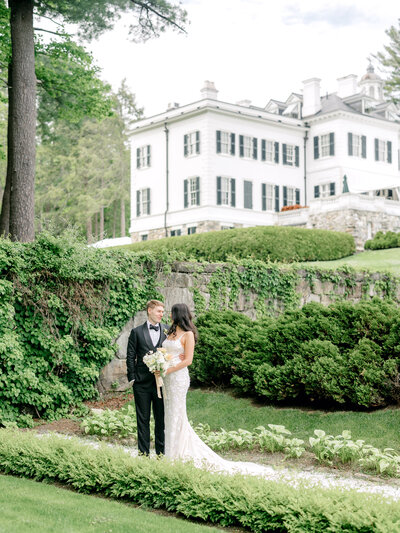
154,335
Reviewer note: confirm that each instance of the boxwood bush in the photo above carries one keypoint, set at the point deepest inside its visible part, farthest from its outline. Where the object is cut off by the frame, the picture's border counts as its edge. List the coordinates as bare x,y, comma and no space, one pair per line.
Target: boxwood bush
256,504
383,240
344,354
266,243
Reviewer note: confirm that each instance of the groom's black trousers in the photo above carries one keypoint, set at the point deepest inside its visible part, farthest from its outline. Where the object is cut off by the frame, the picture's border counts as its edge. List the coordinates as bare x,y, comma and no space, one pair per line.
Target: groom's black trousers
145,397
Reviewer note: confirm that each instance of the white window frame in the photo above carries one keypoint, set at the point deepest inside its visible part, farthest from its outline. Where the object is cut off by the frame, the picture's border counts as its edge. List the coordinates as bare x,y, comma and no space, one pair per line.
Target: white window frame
193,191
144,200
290,155
269,186
269,154
175,229
191,143
248,146
325,144
357,145
225,143
382,151
290,195
324,190
226,190
143,156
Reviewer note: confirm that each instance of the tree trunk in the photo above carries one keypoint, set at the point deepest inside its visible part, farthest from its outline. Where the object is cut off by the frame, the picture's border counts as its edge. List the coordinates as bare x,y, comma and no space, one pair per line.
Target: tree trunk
96,226
123,228
22,151
5,204
114,234
101,223
89,230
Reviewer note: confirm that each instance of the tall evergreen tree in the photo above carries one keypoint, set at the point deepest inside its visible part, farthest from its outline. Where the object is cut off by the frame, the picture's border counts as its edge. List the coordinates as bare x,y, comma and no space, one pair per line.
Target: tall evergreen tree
93,17
390,60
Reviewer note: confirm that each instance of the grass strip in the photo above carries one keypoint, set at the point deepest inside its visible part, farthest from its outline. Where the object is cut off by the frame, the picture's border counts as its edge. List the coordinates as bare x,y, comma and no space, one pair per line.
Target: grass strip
254,503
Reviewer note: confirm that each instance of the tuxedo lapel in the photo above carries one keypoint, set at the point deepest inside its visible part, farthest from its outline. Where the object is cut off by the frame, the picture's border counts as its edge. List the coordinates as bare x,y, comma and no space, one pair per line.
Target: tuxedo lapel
147,337
162,336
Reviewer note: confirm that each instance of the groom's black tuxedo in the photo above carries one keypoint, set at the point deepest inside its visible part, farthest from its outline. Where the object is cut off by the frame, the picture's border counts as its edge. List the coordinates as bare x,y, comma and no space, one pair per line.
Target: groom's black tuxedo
144,387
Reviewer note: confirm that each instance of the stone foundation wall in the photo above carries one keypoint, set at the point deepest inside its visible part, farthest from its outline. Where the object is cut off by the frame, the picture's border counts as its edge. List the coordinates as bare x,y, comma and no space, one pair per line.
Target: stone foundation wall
178,286
201,227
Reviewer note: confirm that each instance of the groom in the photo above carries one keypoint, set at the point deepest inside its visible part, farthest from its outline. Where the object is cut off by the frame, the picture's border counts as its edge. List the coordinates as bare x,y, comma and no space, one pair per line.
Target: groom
143,339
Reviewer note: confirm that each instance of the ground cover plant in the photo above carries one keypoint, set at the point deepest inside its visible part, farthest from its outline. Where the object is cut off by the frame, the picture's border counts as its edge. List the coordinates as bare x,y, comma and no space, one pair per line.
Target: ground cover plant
342,354
265,243
48,508
256,504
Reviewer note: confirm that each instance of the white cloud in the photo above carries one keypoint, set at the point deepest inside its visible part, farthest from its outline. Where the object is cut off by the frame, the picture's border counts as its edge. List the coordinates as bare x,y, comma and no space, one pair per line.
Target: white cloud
251,49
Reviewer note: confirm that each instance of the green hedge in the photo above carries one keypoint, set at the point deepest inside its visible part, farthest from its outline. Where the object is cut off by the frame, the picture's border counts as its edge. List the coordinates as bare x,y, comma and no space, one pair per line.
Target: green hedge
343,354
266,243
255,504
62,304
382,241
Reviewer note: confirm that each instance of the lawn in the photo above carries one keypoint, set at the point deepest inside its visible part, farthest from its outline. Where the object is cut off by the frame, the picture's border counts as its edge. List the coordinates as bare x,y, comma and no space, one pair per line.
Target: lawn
28,506
222,409
374,260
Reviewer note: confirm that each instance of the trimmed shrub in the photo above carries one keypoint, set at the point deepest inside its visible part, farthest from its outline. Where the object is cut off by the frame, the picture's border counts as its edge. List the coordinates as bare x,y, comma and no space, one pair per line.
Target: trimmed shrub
266,243
382,241
258,505
345,353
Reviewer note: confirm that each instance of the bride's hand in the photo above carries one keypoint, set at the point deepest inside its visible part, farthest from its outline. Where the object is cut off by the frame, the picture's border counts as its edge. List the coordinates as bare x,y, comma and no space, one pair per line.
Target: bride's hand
157,373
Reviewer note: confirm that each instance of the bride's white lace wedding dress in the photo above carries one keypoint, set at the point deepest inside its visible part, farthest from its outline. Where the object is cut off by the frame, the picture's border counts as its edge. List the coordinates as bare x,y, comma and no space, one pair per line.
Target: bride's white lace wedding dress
181,441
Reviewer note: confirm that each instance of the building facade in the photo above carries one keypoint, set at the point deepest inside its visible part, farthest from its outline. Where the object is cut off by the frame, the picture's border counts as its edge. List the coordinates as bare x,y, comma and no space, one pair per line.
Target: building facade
214,165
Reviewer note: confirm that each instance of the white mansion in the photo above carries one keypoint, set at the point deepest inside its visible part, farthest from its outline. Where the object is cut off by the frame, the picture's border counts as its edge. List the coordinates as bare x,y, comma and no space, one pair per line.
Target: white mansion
213,165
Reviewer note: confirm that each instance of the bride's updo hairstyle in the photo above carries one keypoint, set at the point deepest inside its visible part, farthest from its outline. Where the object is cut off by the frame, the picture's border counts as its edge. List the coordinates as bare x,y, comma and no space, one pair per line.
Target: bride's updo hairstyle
182,317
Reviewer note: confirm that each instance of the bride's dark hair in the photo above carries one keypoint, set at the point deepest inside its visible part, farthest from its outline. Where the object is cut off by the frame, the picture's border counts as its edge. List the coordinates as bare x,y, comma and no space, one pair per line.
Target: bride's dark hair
182,317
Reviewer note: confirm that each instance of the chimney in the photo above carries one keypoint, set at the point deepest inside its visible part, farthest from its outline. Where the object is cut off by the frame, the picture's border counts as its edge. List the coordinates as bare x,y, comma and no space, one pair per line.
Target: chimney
172,105
311,97
347,86
209,91
244,103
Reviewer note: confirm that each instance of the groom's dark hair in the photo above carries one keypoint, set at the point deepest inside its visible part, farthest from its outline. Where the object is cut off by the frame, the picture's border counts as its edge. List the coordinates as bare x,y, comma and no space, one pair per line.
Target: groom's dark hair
153,303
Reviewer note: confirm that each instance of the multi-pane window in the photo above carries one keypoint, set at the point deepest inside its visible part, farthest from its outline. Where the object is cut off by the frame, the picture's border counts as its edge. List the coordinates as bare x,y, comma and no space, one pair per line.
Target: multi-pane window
267,196
142,202
225,142
144,237
191,191
324,190
248,146
324,145
290,155
191,143
226,190
267,150
191,230
175,232
383,150
143,156
357,145
291,196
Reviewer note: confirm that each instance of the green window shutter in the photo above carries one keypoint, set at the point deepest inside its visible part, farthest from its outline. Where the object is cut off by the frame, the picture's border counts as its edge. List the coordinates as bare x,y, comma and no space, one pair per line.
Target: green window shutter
218,142
185,145
197,142
316,191
350,143
284,156
263,150
248,194
389,151
148,203
298,196
138,203
276,146
185,193
241,146
263,197
332,188
219,200
376,142
233,192
148,155
331,143
296,156
277,198
284,195
316,147
254,147
198,190
137,157
232,144
363,146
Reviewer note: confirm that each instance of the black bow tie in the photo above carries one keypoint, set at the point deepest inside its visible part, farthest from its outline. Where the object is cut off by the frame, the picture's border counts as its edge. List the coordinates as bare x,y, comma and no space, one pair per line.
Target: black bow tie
156,328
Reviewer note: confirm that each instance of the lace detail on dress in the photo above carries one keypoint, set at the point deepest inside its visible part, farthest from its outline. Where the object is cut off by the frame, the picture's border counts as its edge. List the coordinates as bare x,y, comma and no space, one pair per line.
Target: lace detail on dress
181,441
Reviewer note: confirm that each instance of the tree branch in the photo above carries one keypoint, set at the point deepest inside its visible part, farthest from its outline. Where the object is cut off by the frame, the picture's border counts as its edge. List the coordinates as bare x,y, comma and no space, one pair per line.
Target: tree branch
53,32
157,13
49,18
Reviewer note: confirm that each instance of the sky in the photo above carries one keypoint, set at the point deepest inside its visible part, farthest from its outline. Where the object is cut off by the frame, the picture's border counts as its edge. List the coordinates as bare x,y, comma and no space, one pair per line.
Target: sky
250,49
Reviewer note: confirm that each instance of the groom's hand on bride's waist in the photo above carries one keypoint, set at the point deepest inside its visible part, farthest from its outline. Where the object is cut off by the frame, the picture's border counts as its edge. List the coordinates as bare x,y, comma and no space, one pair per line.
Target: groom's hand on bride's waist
182,356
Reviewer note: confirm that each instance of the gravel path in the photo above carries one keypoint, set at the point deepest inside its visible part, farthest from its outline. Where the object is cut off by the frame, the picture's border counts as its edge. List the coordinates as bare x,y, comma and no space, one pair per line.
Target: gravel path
295,478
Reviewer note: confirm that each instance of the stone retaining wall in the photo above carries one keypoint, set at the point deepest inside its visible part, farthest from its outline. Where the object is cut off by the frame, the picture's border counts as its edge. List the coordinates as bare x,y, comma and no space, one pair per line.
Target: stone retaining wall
178,286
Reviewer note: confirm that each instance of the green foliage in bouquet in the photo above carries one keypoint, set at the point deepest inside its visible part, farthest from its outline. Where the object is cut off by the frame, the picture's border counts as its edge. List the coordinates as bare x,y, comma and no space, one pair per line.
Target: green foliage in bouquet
62,305
343,354
265,243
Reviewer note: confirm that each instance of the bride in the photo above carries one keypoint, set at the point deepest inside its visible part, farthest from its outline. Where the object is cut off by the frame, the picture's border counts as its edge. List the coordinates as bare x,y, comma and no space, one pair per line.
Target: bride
181,441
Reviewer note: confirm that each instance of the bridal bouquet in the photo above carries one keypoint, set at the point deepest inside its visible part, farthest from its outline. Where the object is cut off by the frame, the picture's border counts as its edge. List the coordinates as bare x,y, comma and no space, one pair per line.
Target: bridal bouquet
158,360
